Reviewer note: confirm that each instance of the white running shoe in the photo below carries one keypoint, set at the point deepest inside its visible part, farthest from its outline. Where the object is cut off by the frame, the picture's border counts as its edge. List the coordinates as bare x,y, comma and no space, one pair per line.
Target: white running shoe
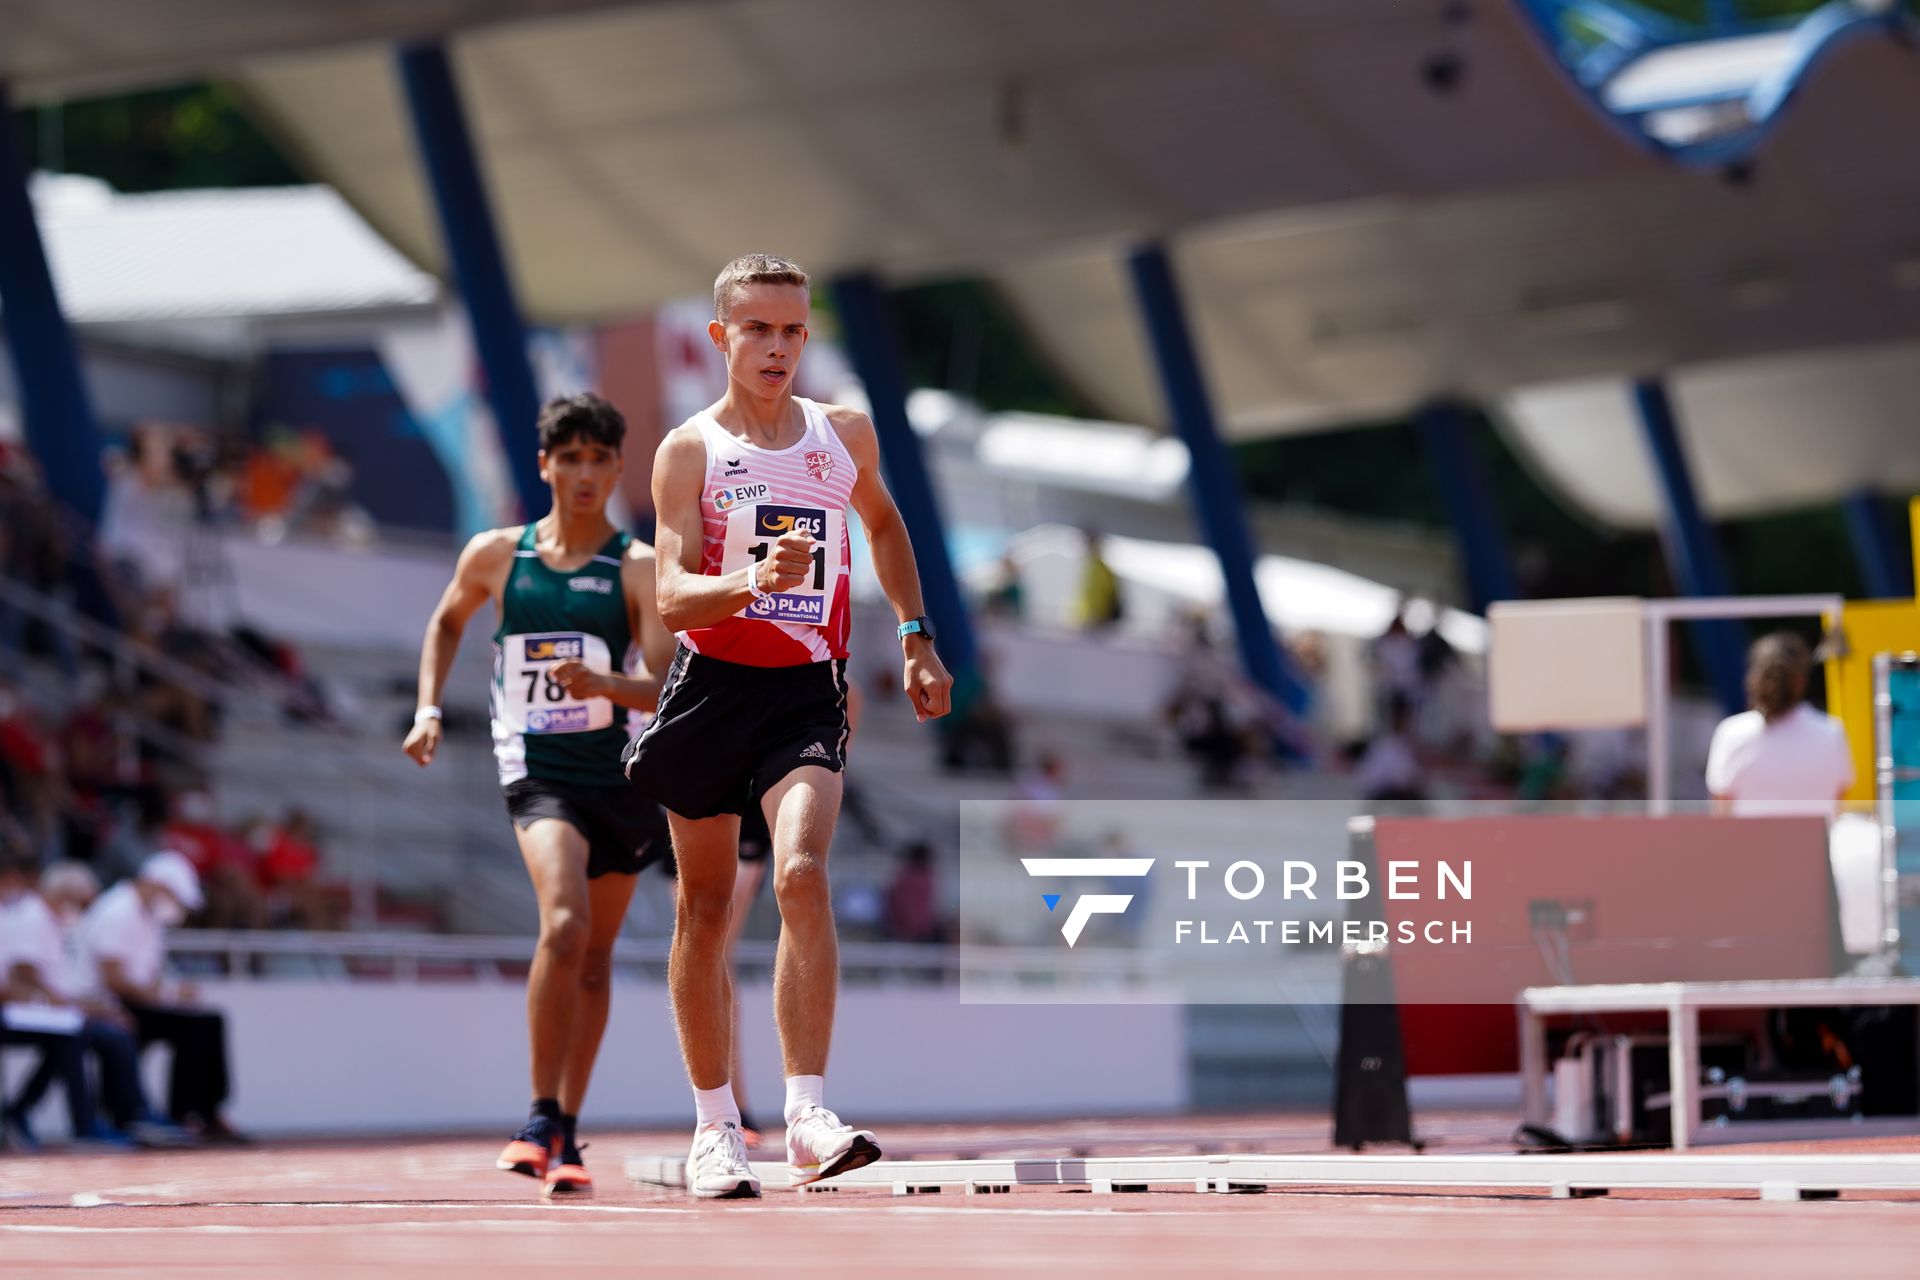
819,1146
717,1167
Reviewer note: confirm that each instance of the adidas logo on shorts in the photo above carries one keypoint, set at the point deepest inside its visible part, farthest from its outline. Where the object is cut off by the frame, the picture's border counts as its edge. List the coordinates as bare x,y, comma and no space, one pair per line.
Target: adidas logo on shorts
815,752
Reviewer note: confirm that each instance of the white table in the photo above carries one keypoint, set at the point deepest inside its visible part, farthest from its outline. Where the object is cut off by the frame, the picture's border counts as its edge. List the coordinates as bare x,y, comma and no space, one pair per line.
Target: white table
1682,1003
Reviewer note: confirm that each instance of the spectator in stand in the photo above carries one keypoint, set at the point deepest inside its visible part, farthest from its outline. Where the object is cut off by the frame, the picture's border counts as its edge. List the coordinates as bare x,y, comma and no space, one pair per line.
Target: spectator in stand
1208,711
173,704
222,864
270,480
38,966
288,867
34,554
1390,768
107,778
912,907
1035,818
1098,605
1396,667
978,732
32,776
123,936
1005,597
143,528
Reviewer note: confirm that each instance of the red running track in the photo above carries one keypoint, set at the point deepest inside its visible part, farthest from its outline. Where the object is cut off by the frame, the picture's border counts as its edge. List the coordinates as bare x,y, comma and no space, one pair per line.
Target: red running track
437,1208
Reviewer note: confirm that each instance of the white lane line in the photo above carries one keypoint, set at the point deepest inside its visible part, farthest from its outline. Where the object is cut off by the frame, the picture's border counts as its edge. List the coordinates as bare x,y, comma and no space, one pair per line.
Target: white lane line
518,1226
446,1206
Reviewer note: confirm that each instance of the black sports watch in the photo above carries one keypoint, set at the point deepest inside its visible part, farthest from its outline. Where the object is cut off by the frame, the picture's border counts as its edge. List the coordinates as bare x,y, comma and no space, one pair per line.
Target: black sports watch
920,626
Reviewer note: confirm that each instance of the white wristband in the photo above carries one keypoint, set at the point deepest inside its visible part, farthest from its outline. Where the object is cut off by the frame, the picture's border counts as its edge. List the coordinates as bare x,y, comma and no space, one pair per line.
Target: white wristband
425,714
753,582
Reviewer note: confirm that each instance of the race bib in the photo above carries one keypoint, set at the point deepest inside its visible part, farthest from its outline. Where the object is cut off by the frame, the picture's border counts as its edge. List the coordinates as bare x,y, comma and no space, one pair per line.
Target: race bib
534,702
751,533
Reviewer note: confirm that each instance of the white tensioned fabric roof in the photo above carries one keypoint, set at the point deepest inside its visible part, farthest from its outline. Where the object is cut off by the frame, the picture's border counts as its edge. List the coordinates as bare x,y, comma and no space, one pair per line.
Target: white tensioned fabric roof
1352,240
188,255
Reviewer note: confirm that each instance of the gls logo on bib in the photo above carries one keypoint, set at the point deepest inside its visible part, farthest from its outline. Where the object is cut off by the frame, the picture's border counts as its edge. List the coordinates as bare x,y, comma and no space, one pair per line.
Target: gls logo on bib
555,648
727,497
776,521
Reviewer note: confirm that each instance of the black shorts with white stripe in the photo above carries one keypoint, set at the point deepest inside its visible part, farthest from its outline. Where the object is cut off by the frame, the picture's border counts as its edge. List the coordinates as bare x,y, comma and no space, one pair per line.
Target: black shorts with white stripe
725,733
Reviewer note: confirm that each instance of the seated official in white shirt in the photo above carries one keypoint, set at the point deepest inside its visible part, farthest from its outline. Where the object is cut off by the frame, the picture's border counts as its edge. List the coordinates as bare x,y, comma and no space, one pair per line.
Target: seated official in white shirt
38,960
124,938
1782,757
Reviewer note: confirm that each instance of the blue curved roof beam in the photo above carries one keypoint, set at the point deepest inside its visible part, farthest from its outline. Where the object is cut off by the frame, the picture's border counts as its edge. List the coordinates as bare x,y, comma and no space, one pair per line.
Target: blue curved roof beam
1701,96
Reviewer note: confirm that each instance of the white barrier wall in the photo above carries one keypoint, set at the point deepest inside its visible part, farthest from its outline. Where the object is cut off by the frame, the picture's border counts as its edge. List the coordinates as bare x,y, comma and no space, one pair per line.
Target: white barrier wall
311,1057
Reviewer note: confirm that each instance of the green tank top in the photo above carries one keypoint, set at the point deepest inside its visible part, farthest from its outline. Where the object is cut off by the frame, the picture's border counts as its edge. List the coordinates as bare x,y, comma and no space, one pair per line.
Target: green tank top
546,618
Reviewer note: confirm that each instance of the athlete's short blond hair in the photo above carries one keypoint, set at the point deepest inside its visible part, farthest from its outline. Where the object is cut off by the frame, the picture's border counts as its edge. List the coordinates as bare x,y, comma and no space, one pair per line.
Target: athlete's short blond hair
754,268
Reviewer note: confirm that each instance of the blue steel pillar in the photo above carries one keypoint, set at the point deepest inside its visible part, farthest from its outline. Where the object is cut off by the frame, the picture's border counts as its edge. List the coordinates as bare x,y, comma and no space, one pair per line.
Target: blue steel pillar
1447,435
860,303
1693,553
55,412
479,268
1883,560
1216,486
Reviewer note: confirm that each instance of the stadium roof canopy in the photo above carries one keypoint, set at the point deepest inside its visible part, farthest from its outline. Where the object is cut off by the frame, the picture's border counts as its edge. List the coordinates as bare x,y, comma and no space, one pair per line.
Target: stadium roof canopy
1372,202
217,255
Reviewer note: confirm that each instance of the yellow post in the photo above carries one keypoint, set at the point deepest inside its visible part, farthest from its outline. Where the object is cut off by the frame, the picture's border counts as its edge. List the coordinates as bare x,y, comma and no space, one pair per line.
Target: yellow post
1913,531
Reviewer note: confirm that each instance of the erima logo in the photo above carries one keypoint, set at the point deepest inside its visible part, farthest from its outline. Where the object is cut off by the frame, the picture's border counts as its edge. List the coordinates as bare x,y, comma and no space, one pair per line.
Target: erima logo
1092,904
734,468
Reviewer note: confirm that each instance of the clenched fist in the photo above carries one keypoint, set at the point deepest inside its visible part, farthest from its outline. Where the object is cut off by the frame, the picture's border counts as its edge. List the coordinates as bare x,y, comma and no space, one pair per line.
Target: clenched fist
581,681
791,562
423,741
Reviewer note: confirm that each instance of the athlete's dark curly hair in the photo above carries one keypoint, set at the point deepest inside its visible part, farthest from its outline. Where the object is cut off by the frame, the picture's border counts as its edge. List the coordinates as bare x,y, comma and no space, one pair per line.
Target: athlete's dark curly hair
583,417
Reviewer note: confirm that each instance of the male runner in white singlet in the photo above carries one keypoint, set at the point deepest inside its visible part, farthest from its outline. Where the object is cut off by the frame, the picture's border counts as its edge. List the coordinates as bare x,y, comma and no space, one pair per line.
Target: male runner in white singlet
751,498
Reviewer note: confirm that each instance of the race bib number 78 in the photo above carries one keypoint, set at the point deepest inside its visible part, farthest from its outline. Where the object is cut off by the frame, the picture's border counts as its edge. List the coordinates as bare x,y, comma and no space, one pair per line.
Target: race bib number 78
751,535
533,701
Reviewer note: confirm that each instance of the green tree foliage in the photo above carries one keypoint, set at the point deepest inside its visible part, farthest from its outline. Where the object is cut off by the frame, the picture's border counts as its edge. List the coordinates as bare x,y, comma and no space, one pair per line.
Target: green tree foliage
194,135
961,335
1750,10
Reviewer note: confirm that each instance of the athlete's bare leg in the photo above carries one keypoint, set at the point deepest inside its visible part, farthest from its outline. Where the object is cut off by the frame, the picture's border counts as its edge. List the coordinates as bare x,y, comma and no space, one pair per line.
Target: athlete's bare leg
556,856
707,851
746,885
801,811
607,899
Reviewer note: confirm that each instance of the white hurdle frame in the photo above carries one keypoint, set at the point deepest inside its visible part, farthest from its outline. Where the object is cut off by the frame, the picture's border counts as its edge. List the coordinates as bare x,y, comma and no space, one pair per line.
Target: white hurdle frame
1774,1177
1658,617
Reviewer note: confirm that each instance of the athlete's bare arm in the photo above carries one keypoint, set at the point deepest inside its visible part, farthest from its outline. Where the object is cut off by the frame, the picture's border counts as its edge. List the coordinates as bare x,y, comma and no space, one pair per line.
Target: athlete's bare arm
927,683
642,690
479,577
689,599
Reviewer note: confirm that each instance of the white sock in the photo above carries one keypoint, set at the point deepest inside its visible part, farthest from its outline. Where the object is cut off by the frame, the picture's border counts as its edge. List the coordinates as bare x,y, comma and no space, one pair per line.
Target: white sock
711,1106
804,1092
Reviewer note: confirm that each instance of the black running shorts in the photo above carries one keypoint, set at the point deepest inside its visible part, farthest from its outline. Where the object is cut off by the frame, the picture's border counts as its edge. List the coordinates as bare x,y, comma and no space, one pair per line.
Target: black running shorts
725,732
626,833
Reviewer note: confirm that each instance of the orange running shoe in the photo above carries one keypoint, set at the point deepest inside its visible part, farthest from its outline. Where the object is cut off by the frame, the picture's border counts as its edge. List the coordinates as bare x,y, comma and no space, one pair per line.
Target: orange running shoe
532,1150
569,1176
